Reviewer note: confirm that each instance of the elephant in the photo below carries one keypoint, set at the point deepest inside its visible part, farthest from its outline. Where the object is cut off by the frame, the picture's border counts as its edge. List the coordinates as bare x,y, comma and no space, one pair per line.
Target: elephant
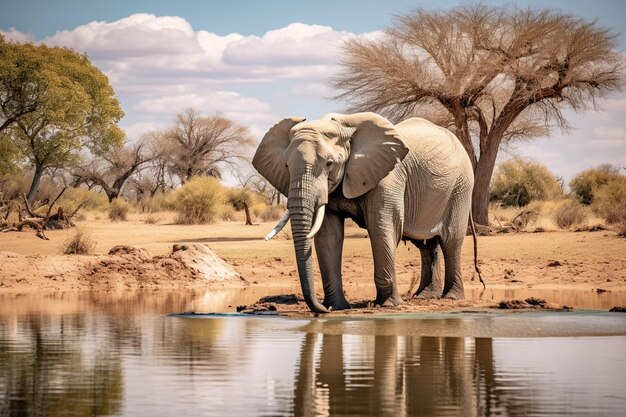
410,181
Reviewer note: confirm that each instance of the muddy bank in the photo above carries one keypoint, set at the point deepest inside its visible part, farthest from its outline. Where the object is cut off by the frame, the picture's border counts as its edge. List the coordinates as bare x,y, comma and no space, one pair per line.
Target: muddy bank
292,305
125,267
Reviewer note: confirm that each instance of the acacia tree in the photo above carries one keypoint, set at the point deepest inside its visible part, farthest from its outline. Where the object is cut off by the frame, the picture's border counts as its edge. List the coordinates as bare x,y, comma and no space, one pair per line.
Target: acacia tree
491,74
112,169
75,107
199,145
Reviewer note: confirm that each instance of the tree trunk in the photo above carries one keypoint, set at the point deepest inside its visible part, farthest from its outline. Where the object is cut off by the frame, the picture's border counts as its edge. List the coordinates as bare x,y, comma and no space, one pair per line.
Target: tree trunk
112,195
482,181
248,217
34,186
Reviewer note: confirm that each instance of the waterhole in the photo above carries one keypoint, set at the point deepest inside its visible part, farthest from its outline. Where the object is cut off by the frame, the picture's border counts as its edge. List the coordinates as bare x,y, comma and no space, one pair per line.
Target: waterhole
135,354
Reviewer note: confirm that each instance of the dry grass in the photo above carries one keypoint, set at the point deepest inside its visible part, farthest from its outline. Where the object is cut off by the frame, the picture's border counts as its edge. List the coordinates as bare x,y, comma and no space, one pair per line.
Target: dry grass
571,213
118,210
152,218
79,243
544,215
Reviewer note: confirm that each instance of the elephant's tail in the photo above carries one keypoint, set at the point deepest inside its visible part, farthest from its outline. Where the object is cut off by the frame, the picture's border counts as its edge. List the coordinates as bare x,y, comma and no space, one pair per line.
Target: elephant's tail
471,222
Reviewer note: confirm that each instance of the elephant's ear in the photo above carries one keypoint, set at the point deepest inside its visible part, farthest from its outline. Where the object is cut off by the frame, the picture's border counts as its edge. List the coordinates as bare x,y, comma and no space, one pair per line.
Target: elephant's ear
269,160
375,149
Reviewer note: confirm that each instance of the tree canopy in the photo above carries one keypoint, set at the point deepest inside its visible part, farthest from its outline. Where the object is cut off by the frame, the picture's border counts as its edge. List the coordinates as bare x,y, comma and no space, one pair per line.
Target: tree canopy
54,103
203,145
491,74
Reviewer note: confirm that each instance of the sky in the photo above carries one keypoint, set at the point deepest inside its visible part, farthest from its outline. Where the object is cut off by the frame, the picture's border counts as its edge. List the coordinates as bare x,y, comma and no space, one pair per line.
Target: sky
259,61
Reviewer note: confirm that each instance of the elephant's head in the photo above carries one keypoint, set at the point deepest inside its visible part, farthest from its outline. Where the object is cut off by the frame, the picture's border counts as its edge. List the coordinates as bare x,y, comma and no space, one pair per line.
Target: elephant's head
306,161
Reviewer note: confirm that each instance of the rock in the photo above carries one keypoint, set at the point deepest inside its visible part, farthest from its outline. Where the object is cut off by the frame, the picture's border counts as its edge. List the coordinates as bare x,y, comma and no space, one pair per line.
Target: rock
206,262
601,290
618,309
554,263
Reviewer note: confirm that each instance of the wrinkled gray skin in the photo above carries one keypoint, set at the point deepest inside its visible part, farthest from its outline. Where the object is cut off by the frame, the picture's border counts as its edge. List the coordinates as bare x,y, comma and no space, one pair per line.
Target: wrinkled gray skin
412,181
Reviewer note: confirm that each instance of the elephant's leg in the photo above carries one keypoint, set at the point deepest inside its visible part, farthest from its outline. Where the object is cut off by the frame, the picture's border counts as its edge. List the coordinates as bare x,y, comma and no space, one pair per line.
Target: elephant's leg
384,251
453,282
431,285
329,246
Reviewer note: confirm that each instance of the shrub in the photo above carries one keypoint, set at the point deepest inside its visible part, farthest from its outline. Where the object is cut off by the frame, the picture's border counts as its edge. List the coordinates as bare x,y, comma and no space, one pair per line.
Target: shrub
93,200
227,212
586,184
272,213
570,213
152,219
156,203
80,243
517,182
610,201
119,209
198,201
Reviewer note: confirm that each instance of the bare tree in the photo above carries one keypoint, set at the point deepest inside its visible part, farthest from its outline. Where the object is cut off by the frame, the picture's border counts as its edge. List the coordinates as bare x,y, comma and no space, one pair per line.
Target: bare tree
491,74
111,170
198,145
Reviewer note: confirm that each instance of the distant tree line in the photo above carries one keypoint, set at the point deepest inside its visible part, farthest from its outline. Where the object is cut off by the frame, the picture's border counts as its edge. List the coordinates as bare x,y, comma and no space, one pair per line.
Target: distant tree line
59,123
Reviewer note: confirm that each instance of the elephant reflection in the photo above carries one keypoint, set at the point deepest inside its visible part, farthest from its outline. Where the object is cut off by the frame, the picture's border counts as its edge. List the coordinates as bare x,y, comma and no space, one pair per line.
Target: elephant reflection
395,375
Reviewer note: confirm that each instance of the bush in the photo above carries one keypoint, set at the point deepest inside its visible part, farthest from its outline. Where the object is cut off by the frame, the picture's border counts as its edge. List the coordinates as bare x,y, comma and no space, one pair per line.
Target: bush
517,182
152,219
586,184
272,213
158,202
610,201
119,209
80,243
570,213
227,212
198,201
93,200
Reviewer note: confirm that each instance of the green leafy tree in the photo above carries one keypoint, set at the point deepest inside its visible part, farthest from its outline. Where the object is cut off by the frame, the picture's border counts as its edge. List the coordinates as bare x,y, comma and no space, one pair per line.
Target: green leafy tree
74,107
21,81
9,155
491,74
585,185
518,181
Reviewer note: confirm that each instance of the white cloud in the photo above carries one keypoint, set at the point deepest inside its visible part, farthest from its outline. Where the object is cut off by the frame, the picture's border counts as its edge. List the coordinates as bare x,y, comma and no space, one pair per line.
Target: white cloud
16,36
231,104
158,65
138,35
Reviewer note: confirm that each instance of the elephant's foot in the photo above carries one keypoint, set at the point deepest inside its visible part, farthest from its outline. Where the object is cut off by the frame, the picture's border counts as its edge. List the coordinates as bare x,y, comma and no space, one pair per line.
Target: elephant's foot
337,303
428,293
454,294
389,301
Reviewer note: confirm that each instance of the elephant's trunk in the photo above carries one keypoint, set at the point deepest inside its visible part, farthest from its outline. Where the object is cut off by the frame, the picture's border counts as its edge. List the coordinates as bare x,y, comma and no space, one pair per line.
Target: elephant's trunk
301,206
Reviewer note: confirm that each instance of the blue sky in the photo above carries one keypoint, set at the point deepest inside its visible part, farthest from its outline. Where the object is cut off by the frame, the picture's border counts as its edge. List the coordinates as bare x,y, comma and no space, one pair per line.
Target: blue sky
257,61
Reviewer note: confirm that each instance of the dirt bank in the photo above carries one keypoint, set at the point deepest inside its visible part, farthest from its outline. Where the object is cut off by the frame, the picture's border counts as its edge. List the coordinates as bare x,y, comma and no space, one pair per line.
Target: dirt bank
125,267
589,261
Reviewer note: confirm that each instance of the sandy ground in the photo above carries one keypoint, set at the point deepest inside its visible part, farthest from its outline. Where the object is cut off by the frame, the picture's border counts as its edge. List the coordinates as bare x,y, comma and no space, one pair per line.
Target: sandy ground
550,260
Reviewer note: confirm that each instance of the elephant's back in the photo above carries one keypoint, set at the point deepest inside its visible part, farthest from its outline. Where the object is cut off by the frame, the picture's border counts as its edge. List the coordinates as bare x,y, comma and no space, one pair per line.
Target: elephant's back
434,148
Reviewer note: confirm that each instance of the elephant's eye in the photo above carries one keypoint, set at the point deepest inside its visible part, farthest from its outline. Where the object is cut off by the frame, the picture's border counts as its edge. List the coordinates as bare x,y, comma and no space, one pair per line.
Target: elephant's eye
329,162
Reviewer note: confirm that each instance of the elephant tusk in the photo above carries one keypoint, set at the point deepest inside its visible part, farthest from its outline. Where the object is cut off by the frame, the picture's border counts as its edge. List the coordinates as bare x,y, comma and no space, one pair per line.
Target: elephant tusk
319,219
279,226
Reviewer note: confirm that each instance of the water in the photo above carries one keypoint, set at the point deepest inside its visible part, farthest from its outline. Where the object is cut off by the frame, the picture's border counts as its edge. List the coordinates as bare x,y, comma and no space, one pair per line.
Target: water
89,354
